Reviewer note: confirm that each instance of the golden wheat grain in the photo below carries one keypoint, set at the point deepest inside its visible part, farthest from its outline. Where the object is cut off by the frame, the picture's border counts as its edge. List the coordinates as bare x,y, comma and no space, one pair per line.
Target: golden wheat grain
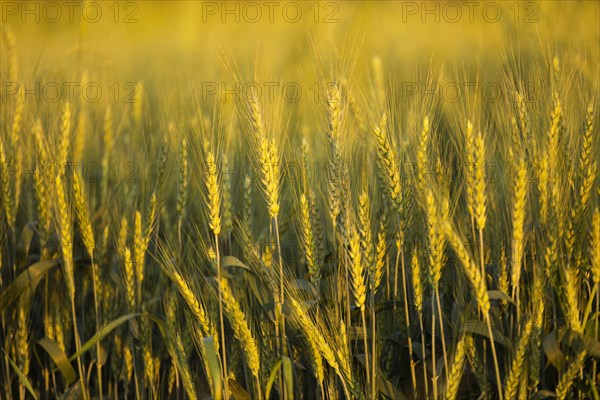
519,212
81,213
422,163
518,362
366,238
129,274
388,164
416,281
357,270
457,366
65,233
241,329
480,184
566,379
182,187
227,205
211,180
471,271
436,241
571,304
65,137
308,241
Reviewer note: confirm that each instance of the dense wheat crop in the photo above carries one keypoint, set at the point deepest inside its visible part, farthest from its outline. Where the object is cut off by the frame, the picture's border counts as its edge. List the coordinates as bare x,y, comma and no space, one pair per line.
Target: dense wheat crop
314,200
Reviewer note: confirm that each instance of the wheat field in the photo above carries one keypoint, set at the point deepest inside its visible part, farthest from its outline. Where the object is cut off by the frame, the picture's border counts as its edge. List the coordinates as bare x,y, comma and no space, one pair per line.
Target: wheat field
313,200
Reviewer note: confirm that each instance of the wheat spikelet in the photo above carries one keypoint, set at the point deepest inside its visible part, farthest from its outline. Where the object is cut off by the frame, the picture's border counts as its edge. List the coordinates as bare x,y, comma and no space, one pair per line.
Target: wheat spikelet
518,361
571,296
388,165
211,180
17,117
7,198
41,193
366,238
65,137
523,117
471,271
81,214
478,369
470,173
586,141
359,289
334,111
22,339
436,241
129,274
520,194
256,118
479,181
248,200
195,306
553,134
65,233
566,379
240,328
128,363
422,163
151,214
161,166
542,172
380,254
311,331
182,187
457,366
416,281
122,237
503,273
269,174
186,376
308,240
587,184
227,213
139,252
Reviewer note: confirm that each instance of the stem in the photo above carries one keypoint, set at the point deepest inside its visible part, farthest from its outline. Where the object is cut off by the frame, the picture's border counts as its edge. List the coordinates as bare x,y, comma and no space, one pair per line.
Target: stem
423,356
439,307
280,305
596,328
481,258
223,346
373,349
78,347
408,334
489,323
365,343
493,346
98,363
434,375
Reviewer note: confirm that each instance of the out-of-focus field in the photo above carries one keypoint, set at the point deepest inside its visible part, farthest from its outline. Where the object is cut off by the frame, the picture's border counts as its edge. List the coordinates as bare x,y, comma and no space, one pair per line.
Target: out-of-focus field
316,200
